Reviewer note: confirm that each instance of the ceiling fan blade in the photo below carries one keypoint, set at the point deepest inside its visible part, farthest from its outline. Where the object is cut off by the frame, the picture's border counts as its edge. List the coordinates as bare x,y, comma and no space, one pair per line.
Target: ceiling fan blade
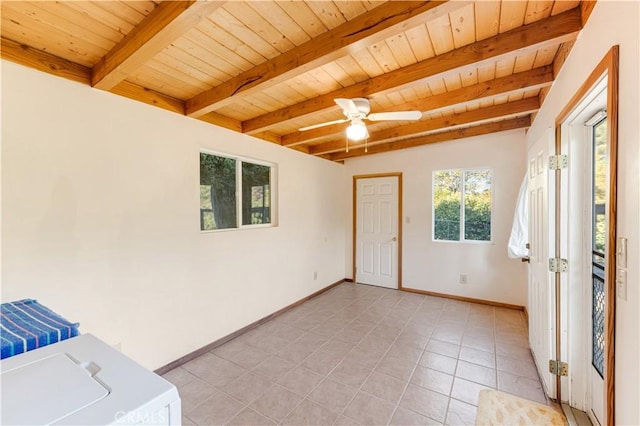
396,115
328,123
347,105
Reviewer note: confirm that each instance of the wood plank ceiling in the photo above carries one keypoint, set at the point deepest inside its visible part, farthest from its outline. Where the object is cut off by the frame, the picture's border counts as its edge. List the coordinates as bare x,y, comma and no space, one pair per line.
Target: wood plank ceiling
268,68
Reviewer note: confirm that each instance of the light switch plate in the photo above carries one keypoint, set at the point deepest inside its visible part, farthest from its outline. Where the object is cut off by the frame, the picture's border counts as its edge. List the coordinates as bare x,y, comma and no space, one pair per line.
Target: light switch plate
621,252
621,283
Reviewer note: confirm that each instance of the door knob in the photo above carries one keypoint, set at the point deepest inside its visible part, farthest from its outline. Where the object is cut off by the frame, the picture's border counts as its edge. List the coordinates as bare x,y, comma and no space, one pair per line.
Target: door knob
394,239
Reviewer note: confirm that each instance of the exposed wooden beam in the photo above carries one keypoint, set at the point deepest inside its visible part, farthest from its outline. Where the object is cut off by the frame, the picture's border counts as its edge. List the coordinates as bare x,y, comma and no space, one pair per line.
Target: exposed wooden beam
537,35
42,61
526,80
166,23
586,7
505,110
148,96
222,121
483,129
46,62
367,29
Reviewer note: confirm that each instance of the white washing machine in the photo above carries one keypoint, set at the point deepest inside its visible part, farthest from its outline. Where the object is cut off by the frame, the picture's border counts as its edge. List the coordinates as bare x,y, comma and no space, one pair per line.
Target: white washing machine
83,381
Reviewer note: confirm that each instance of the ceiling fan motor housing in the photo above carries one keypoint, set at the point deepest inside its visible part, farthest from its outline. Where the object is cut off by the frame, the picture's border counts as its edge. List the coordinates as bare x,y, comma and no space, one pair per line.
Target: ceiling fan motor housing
363,106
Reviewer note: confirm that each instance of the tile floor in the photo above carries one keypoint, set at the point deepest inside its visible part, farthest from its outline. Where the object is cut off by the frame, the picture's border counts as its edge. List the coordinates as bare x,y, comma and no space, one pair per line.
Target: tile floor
364,355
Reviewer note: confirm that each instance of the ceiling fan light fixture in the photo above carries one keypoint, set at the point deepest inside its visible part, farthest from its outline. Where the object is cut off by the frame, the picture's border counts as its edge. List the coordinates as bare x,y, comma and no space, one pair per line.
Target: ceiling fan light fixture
357,131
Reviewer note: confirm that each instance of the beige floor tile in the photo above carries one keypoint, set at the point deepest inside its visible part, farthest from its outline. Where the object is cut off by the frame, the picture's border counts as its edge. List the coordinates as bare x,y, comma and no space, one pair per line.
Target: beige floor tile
369,410
249,357
364,357
443,348
466,391
479,343
352,351
214,370
432,379
249,417
268,343
477,356
288,333
247,388
448,334
309,413
376,344
439,362
276,403
410,353
330,327
350,373
301,380
519,367
521,386
411,338
274,368
229,349
296,352
384,386
337,347
396,367
460,413
194,393
425,402
512,351
215,410
404,417
346,421
322,362
333,395
476,373
179,377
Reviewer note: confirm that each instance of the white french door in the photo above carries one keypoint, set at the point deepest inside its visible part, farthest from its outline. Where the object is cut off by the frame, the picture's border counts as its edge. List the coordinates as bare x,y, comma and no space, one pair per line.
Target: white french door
377,236
541,298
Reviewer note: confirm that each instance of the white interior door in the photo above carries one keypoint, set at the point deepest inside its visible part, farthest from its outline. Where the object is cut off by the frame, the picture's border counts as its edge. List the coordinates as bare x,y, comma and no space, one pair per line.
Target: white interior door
377,236
541,298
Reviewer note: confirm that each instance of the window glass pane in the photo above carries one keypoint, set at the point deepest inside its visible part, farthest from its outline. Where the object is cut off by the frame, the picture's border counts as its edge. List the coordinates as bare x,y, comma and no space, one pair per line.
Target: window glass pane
256,194
217,192
477,205
446,205
599,184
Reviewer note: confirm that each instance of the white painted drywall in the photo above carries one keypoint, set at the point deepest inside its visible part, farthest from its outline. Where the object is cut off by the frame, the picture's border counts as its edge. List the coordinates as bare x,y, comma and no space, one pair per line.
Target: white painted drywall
100,220
435,265
611,23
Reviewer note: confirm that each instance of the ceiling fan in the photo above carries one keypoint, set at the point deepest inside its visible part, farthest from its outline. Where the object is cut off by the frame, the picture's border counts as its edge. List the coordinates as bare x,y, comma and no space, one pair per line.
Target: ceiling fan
356,110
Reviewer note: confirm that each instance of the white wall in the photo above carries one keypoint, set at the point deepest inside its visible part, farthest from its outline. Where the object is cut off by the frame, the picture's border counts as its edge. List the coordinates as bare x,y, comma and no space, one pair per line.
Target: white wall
436,266
100,220
612,23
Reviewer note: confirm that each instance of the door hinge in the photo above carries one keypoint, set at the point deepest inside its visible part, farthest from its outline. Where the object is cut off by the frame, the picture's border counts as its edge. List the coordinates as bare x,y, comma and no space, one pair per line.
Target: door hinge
557,264
558,368
558,162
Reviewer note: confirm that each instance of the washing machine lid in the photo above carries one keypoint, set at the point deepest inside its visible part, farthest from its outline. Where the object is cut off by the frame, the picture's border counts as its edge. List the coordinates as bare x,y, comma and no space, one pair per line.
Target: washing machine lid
56,385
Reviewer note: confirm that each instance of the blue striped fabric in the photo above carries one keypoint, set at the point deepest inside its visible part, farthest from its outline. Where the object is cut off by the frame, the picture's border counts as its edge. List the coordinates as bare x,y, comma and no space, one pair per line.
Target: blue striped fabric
26,325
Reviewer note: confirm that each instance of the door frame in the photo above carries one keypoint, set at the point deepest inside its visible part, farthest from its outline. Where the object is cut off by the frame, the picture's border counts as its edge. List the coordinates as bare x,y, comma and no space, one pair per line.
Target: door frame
355,217
609,66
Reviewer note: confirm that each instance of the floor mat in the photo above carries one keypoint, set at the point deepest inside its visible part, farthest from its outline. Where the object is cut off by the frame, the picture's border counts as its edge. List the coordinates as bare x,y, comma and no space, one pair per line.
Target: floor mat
498,408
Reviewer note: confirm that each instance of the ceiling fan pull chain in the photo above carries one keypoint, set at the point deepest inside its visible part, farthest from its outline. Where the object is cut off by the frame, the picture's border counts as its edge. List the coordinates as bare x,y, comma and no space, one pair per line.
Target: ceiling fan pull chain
346,143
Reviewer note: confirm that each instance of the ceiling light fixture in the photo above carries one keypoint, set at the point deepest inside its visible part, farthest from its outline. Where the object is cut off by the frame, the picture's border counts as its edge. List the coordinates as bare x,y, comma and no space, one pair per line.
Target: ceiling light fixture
357,131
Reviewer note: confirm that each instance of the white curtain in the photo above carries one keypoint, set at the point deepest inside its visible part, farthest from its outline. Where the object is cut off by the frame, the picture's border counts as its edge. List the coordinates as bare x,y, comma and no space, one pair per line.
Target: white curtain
517,246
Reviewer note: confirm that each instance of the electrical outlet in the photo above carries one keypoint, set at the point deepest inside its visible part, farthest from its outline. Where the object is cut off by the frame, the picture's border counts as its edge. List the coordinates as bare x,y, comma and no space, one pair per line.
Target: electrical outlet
315,276
463,278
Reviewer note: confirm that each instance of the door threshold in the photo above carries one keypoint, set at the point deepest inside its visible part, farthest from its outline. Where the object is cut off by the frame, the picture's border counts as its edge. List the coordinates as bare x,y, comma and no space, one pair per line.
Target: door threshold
575,417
